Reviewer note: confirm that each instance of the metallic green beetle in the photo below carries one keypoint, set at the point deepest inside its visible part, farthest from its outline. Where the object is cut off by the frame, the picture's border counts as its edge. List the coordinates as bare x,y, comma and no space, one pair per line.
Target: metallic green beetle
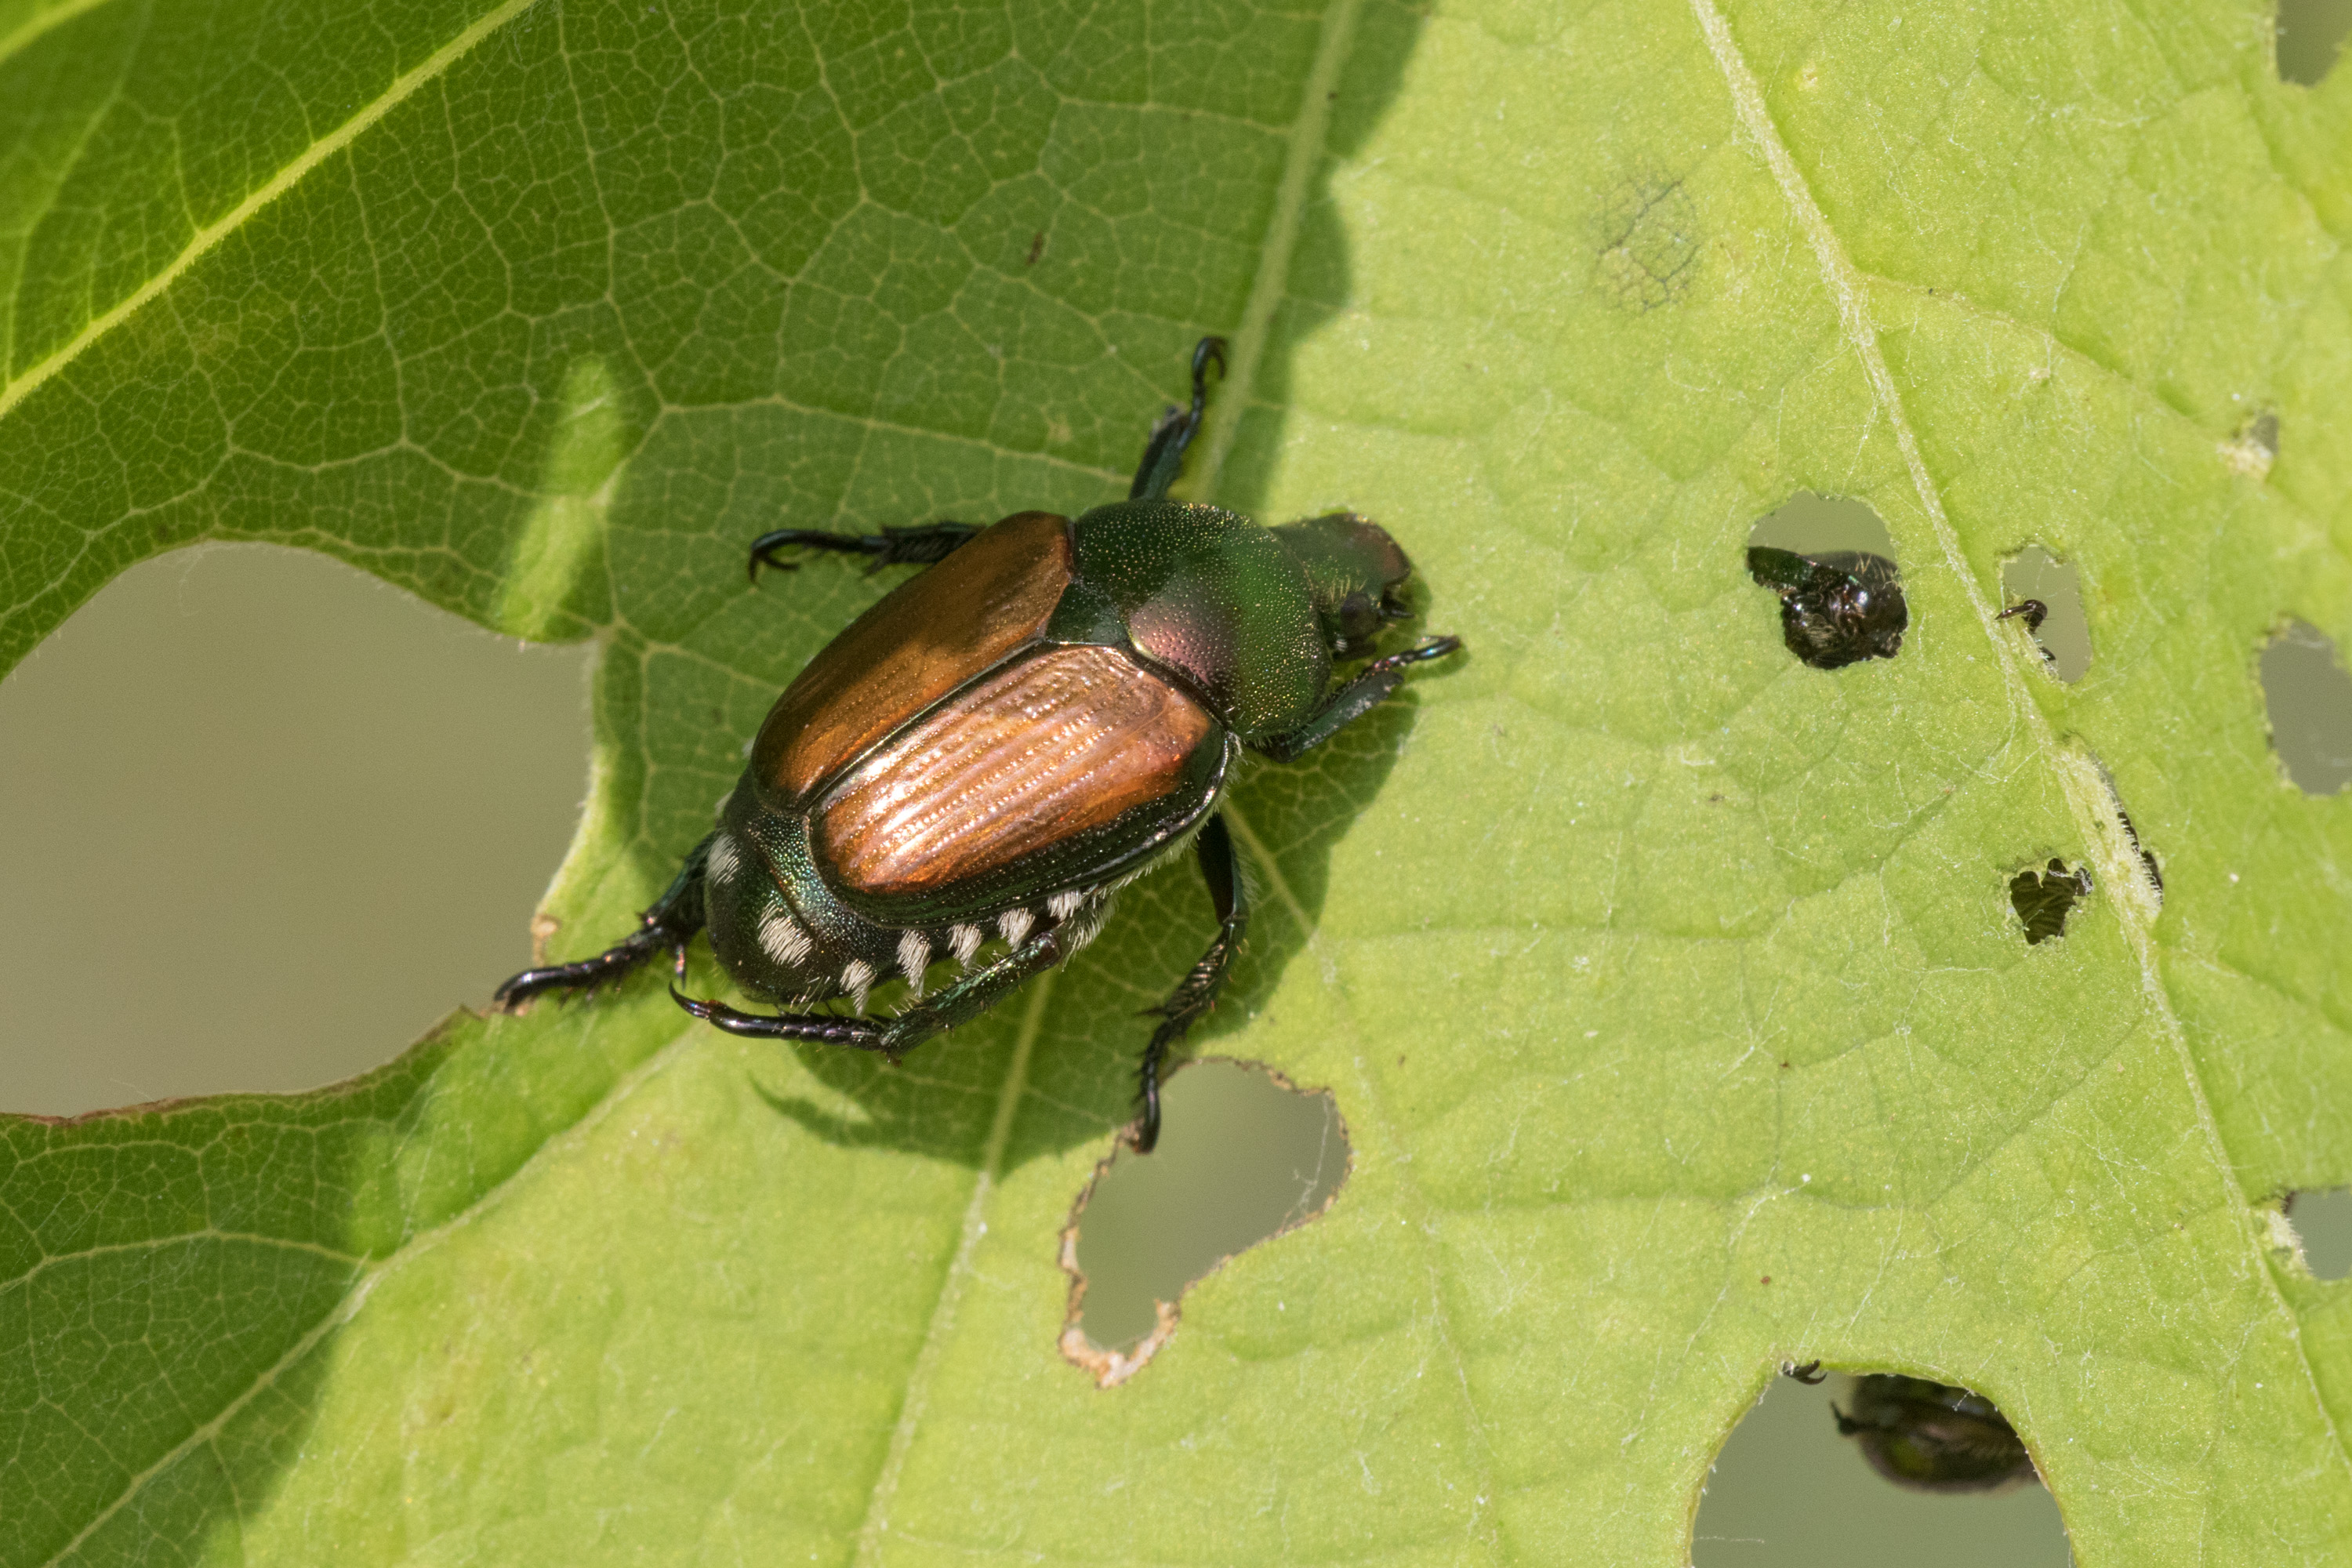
1932,1436
973,768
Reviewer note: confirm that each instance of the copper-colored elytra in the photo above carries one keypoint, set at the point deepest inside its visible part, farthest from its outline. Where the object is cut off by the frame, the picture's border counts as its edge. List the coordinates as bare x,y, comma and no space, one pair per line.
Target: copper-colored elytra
1045,749
922,640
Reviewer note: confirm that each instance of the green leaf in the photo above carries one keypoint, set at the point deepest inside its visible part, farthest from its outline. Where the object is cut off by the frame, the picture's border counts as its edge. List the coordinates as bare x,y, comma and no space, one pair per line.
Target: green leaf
1670,990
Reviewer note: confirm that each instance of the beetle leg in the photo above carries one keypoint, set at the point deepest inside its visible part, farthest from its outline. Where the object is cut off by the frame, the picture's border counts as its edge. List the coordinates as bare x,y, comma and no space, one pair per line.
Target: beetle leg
864,1034
969,996
669,926
1220,868
1163,453
918,546
1353,700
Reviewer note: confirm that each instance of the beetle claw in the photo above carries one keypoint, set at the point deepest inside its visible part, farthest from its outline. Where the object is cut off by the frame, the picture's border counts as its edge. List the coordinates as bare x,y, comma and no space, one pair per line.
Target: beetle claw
765,558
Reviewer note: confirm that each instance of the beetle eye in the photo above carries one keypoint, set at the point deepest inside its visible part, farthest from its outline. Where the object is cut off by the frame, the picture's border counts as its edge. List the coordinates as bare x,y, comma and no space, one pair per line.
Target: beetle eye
1357,619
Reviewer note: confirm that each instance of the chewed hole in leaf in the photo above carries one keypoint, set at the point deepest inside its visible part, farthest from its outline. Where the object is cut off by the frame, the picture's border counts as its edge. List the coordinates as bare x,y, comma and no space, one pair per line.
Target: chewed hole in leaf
2058,626
336,805
2044,897
2310,38
1788,1489
2254,447
1242,1156
2309,697
2323,1221
1831,563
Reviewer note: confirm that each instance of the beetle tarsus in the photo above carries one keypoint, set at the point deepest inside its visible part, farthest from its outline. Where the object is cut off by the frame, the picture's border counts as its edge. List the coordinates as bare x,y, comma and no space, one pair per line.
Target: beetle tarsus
669,926
587,976
920,545
1163,453
822,1028
1353,700
1809,1374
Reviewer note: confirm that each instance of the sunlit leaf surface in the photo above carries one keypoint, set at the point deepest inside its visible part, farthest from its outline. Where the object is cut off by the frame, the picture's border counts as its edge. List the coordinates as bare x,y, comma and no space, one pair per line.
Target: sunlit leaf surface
1671,990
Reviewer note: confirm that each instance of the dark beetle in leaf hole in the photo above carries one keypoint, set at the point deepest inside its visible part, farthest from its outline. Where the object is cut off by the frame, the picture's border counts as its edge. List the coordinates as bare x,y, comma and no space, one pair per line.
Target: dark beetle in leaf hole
1838,607
973,768
1932,1436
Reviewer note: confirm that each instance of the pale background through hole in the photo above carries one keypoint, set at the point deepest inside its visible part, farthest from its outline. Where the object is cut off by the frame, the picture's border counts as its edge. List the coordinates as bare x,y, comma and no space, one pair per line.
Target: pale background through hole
1809,524
2311,37
2324,1220
264,820
2309,696
1240,1158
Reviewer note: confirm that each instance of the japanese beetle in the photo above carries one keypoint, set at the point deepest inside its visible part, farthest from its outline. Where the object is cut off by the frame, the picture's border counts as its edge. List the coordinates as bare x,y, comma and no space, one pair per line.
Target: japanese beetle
1837,607
1932,1436
1051,708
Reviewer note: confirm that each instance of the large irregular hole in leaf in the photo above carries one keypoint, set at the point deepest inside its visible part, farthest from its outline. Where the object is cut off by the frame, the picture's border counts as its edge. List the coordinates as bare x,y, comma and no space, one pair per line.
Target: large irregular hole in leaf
2310,35
1242,1156
2060,628
1831,563
2322,1221
1789,1491
2045,895
2309,697
264,820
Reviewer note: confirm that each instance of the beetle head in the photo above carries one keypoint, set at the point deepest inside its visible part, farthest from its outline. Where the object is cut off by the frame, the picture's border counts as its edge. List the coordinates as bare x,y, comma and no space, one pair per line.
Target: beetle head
1355,575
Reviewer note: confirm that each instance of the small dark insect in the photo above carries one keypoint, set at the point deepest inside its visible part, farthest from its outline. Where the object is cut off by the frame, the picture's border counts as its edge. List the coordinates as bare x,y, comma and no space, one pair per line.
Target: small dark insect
982,760
1036,248
1932,1436
2034,611
1811,1375
1838,607
2043,899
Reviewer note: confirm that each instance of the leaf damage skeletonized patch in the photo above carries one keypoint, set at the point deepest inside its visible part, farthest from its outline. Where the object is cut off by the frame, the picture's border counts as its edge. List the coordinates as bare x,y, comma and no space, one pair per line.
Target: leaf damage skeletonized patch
1649,249
1244,1157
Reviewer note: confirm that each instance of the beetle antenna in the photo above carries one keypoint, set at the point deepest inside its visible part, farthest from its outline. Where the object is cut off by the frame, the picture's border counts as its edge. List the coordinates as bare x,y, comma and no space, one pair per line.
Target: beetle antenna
1163,454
